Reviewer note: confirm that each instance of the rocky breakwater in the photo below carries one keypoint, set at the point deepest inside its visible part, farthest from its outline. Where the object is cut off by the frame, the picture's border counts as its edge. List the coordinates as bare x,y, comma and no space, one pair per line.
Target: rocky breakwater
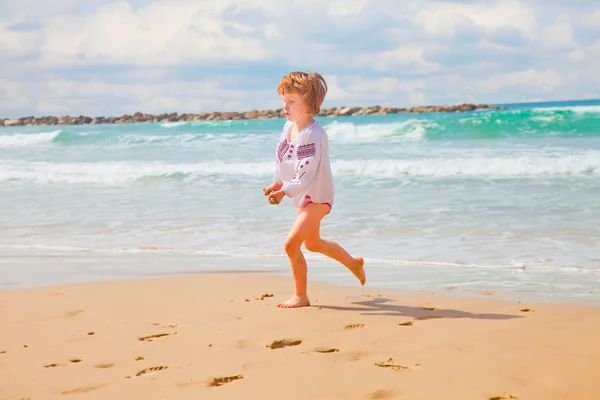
220,116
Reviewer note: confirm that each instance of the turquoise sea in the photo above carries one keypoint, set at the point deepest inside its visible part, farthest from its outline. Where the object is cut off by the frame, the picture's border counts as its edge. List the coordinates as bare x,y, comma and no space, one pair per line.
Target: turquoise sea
505,200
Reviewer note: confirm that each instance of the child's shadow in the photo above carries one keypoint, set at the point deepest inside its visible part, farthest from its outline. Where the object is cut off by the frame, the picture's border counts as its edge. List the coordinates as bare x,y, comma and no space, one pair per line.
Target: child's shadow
380,306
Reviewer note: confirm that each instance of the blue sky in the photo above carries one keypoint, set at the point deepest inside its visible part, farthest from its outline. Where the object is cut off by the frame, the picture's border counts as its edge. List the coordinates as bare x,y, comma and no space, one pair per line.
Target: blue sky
114,57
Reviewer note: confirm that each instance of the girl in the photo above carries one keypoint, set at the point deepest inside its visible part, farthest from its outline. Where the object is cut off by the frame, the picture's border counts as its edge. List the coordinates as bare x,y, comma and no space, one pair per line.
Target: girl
303,173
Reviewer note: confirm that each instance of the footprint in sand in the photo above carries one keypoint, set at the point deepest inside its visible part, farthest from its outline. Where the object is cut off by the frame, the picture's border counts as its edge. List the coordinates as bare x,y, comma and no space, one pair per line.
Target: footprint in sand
84,389
409,323
279,344
104,366
504,397
54,365
354,326
381,395
158,335
430,308
80,337
426,317
165,325
392,365
326,350
527,310
152,370
75,360
378,295
2,351
73,313
224,380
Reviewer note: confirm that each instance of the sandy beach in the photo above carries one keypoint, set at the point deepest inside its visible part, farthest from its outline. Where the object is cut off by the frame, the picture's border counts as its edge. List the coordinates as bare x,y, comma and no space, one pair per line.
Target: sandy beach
221,337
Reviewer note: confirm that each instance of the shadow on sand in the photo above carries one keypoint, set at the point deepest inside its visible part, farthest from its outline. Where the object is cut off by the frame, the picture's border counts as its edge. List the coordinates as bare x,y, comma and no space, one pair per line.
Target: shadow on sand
381,306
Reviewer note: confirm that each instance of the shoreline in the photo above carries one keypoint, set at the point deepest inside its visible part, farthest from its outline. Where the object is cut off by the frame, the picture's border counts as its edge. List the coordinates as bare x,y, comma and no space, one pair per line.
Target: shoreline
233,115
221,337
271,270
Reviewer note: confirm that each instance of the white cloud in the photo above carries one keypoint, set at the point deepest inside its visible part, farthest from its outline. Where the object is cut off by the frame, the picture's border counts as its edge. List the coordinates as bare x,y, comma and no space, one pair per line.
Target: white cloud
417,98
530,78
345,7
447,17
163,33
14,44
335,92
13,97
577,55
557,37
592,20
396,60
47,107
111,57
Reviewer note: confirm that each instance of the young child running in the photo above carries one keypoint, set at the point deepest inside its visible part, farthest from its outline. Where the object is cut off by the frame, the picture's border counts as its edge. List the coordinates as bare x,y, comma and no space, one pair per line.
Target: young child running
303,173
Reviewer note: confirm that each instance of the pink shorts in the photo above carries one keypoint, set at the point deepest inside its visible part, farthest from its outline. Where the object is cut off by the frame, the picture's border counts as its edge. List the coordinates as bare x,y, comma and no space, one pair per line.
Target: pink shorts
308,201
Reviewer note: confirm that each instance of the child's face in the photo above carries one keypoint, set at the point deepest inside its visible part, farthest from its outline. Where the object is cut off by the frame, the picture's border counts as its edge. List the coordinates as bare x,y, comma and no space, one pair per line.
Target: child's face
294,107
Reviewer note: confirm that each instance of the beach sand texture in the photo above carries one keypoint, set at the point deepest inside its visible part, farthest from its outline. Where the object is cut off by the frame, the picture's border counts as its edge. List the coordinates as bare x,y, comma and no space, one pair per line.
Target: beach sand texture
221,337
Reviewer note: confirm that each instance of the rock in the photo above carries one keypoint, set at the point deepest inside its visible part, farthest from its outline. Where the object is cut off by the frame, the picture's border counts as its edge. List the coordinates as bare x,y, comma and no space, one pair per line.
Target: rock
252,114
49,120
466,107
222,115
346,111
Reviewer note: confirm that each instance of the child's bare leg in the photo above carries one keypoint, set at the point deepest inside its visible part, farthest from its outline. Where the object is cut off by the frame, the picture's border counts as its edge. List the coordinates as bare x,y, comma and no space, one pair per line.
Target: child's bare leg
308,219
333,250
315,243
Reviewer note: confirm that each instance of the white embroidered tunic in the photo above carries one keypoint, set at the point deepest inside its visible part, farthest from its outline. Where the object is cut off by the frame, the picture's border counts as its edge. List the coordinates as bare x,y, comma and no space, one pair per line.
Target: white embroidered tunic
303,166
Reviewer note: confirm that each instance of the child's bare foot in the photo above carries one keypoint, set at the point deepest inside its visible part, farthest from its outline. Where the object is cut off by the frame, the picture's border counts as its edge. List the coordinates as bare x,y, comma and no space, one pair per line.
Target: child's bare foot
359,271
295,301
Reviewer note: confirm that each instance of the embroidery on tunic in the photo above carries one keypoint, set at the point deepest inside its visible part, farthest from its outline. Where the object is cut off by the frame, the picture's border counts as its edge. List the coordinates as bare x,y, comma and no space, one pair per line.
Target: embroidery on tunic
282,149
308,150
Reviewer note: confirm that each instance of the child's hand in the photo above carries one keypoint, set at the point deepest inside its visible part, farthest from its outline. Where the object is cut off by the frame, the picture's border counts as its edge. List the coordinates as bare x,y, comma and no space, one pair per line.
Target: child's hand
275,197
273,188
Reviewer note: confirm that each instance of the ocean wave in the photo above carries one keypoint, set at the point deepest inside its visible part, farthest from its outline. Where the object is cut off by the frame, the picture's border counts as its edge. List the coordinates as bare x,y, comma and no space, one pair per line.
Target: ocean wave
514,266
172,124
411,130
592,109
28,139
476,167
205,123
118,173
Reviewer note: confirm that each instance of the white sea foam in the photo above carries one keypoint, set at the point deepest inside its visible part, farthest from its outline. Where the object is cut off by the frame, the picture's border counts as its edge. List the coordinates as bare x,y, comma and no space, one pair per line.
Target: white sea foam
513,266
27,139
116,173
414,129
172,124
576,109
109,173
494,167
546,118
162,139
